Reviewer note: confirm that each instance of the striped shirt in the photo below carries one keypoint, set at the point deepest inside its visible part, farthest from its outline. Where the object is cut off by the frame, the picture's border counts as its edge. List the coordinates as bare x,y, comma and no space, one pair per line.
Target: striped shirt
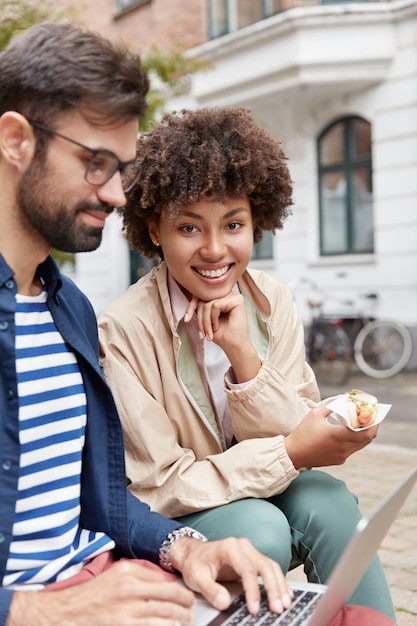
48,543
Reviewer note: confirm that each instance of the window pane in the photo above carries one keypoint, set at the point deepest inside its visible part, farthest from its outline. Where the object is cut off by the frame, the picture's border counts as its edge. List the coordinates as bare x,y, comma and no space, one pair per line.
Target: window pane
265,248
124,4
218,18
334,233
332,145
227,16
273,6
361,139
362,212
248,12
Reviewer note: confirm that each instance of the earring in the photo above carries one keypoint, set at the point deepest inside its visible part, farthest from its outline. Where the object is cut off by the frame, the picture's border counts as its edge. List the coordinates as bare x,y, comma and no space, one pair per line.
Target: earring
155,242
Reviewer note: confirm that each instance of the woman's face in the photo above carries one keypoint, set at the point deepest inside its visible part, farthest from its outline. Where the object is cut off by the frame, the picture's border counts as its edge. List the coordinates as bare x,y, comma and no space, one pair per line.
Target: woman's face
208,247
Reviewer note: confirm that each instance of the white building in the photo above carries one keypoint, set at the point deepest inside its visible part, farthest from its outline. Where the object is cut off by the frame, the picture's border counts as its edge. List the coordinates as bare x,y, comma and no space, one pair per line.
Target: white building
337,83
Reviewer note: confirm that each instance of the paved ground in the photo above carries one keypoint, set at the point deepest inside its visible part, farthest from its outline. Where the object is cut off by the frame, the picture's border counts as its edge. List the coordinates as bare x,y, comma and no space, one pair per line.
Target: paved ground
373,472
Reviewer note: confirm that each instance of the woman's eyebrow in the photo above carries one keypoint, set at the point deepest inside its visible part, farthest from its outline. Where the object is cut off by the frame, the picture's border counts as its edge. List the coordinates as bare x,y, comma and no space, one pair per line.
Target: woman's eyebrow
235,211
228,215
194,216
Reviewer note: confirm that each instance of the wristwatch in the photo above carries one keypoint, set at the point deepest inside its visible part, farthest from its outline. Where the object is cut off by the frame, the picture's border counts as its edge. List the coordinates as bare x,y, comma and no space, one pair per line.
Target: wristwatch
172,537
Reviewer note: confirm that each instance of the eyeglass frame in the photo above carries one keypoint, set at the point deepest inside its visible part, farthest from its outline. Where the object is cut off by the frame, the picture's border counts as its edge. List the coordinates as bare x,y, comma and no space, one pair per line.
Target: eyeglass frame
121,165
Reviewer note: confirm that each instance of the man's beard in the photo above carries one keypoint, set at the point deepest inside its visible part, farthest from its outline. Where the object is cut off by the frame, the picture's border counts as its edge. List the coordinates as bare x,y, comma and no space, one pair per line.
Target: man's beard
44,214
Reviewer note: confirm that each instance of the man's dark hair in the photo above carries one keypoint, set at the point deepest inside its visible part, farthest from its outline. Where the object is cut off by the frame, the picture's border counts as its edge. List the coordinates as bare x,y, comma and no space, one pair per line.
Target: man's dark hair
210,153
52,68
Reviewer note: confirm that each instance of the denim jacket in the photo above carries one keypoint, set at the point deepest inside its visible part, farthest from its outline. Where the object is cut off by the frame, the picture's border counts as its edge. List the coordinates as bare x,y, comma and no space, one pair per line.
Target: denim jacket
106,505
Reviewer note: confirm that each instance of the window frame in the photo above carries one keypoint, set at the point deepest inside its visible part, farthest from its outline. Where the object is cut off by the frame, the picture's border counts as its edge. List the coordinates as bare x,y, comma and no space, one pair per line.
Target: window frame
231,13
348,166
126,5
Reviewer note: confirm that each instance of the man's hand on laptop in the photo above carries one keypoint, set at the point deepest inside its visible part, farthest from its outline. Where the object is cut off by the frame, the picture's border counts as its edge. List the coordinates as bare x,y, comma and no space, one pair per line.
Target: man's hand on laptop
203,564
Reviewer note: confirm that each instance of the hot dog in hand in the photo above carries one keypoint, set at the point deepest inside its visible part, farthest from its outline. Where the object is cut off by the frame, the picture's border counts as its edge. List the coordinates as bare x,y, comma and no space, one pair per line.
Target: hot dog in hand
361,407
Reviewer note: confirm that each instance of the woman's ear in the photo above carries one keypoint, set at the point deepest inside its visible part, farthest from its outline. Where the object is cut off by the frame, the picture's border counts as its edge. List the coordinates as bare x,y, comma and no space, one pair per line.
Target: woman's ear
153,234
17,140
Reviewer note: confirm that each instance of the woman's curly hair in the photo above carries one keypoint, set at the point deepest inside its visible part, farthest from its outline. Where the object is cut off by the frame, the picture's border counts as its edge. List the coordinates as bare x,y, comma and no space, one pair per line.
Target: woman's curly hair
210,153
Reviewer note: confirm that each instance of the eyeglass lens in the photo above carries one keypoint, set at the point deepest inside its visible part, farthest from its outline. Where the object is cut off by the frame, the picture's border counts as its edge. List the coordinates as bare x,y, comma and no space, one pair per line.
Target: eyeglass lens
102,167
130,174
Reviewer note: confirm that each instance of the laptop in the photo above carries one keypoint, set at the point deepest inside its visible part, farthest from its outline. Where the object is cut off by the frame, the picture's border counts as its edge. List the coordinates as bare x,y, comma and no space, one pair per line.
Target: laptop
317,605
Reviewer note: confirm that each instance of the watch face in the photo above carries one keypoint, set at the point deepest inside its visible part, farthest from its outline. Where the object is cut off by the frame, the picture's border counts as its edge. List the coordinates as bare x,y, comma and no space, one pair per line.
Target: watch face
191,532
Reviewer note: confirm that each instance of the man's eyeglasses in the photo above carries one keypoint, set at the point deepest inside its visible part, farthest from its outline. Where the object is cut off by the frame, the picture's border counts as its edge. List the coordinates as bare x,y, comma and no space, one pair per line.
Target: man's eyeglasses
103,164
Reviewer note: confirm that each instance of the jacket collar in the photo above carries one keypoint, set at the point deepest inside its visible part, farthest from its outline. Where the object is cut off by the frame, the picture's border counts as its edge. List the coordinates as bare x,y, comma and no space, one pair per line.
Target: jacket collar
47,272
50,276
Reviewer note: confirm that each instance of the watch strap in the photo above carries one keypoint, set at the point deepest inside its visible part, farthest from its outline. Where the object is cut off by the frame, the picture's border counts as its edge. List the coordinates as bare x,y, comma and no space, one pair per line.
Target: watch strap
172,537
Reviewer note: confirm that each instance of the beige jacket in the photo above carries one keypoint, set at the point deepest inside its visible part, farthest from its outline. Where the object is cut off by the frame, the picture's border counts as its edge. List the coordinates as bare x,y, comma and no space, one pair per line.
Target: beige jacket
174,455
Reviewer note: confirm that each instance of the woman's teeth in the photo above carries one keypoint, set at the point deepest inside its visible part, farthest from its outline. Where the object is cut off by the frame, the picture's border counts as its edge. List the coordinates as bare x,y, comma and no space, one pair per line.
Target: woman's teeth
213,273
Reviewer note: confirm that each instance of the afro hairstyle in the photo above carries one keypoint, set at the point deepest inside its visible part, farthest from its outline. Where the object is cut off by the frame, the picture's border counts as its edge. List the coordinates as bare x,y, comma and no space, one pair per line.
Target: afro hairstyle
209,153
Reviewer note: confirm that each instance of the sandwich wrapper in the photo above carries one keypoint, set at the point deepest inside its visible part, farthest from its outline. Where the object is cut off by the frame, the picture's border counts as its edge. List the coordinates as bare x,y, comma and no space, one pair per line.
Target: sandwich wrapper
339,414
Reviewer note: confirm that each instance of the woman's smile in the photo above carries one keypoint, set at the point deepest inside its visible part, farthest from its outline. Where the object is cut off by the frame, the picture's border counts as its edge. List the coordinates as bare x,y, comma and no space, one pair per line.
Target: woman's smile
213,273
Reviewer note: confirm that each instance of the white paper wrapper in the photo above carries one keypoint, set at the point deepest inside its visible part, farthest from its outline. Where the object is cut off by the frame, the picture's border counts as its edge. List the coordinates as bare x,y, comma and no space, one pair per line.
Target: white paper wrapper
340,415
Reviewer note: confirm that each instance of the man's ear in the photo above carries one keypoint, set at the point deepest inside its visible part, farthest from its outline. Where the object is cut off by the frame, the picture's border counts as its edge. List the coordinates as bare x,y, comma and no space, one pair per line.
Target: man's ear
17,139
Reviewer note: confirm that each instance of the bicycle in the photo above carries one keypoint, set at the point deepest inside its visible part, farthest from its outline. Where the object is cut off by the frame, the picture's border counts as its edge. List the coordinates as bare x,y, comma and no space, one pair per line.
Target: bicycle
328,348
380,348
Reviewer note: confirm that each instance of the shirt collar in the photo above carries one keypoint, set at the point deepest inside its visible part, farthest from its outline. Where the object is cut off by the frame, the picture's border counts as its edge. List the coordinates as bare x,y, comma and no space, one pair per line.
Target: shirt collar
179,301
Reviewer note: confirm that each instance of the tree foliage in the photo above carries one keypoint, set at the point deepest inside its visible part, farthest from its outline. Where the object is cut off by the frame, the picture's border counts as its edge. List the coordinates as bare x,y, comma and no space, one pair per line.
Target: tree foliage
170,73
18,15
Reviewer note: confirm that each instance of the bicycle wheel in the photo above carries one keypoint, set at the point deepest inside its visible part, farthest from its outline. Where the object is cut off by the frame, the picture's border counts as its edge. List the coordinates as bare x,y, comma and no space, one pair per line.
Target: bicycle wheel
330,354
382,348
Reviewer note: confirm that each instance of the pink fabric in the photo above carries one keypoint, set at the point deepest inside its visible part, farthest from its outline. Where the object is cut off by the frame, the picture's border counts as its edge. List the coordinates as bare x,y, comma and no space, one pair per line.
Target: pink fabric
348,616
98,565
352,615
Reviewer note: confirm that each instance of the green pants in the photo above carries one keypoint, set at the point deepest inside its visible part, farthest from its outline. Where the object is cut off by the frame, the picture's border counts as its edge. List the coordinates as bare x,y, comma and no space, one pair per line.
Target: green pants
310,524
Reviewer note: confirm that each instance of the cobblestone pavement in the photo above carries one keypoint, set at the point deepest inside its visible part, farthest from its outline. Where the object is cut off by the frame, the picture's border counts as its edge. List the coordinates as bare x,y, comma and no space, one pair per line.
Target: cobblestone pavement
371,473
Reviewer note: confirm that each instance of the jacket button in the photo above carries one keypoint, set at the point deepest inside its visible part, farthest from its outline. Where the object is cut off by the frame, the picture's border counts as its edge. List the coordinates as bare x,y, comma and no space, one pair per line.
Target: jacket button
7,465
9,284
4,325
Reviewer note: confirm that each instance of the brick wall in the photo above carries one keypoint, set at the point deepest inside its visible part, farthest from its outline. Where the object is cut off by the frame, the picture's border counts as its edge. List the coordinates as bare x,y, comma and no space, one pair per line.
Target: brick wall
158,21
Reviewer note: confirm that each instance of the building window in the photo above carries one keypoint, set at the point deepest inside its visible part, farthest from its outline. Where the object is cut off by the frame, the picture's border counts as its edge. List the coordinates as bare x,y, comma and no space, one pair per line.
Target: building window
345,188
265,248
122,5
226,16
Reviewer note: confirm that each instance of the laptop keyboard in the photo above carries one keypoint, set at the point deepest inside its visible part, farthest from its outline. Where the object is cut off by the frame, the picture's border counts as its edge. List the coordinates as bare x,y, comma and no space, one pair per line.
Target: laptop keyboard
237,614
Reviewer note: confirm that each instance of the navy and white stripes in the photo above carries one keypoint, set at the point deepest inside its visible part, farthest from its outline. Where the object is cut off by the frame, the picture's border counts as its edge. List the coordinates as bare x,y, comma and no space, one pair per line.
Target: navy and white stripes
47,542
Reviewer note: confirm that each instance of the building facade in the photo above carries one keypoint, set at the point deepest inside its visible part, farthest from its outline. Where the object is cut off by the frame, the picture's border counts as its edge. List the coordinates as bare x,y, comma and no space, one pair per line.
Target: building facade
336,82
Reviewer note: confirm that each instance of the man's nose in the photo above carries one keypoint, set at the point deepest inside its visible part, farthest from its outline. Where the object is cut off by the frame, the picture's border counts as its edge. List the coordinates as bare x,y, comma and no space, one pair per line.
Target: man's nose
112,191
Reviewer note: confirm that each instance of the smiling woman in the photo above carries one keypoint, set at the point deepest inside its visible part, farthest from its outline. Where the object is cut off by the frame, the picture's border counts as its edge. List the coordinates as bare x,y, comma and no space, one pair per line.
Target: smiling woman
206,357
207,248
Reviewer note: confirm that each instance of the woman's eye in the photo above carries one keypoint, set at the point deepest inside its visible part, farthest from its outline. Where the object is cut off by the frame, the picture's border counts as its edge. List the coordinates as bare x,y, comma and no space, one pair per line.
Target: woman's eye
188,228
234,226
